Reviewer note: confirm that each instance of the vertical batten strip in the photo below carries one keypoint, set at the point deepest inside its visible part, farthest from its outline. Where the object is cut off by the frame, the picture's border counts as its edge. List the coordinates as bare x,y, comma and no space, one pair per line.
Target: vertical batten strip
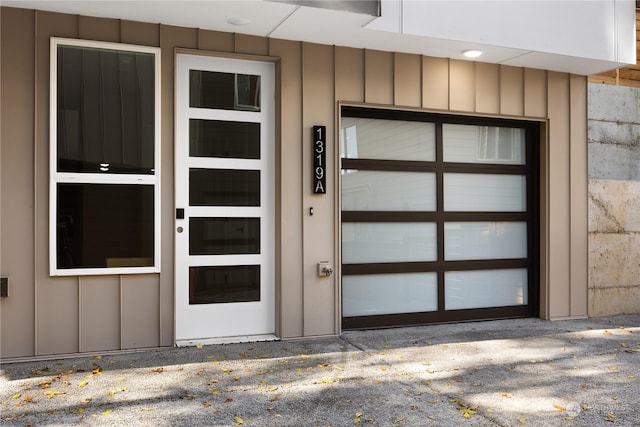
121,293
337,203
302,190
559,196
378,77
462,89
318,109
487,88
290,191
35,180
80,343
511,91
579,208
53,292
406,78
435,83
535,93
348,74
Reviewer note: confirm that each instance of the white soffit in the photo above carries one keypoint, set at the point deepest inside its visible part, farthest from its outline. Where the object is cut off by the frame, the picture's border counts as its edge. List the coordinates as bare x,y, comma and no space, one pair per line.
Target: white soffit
576,39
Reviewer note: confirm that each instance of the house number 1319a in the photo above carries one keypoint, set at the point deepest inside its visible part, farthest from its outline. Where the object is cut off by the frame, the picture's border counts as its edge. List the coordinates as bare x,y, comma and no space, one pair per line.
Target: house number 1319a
319,159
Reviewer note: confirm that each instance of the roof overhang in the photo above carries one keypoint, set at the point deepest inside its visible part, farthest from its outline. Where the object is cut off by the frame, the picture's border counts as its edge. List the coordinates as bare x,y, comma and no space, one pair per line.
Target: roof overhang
576,36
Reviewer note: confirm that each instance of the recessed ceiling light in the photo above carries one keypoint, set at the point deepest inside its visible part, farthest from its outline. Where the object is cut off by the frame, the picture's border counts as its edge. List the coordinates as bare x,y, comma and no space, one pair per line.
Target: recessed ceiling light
238,20
472,53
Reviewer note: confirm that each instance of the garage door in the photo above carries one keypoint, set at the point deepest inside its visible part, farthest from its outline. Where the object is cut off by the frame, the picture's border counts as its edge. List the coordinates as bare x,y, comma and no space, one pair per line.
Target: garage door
439,218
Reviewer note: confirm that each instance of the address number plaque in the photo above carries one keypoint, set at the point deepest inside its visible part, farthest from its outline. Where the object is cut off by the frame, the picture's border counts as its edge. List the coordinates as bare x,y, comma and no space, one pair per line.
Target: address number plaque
319,159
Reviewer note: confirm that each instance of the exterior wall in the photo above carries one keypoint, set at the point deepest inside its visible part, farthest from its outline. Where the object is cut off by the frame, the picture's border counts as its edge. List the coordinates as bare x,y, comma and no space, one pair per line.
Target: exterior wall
614,200
45,315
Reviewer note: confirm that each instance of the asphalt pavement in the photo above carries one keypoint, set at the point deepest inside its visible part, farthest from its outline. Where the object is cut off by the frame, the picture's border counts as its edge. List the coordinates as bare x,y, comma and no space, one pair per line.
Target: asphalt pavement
491,373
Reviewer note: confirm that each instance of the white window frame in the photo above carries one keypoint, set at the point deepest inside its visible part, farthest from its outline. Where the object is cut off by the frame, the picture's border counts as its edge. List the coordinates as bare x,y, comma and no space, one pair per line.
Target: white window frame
56,177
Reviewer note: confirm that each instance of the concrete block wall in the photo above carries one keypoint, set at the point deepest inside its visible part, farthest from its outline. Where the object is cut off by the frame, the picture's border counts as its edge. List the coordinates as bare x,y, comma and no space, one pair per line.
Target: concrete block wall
614,199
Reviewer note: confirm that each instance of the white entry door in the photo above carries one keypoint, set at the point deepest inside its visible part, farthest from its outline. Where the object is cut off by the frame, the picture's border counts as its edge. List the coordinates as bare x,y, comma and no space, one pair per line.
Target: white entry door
224,200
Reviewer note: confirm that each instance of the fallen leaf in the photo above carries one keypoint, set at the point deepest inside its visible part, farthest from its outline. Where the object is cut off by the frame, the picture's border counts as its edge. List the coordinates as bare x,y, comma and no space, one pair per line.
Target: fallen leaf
51,393
79,411
17,396
199,346
568,418
431,417
304,356
107,412
560,408
467,412
398,420
507,395
206,404
522,421
238,420
358,417
83,383
158,370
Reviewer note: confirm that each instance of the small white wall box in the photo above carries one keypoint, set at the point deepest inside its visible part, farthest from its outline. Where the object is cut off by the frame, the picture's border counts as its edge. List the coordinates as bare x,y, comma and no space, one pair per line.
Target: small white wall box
325,269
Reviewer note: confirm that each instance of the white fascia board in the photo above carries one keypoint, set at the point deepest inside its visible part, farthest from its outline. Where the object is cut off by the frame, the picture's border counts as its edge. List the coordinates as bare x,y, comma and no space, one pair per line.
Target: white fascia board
625,32
601,30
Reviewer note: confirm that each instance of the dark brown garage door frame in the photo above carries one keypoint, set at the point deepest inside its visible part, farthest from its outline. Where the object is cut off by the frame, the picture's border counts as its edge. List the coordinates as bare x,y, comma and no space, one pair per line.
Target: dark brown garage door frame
530,170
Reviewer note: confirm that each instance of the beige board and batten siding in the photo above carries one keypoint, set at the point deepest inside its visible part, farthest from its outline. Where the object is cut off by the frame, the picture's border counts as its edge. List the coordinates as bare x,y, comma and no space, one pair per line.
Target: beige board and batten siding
56,315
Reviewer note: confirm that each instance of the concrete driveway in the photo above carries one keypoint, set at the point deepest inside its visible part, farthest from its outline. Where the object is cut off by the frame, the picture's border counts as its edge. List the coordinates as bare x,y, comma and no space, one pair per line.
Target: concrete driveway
494,373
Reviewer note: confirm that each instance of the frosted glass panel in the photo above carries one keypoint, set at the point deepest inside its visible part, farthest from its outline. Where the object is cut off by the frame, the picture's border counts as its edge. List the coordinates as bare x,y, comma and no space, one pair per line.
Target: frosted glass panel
484,192
387,139
388,242
484,240
485,288
483,144
388,191
389,294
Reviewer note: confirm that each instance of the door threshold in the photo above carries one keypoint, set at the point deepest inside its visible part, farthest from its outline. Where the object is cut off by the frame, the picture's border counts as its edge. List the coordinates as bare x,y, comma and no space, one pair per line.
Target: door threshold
226,340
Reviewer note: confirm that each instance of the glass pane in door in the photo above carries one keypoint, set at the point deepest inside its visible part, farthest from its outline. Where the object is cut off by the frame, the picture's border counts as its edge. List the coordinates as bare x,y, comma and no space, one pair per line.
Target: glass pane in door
237,283
224,139
224,187
224,236
224,91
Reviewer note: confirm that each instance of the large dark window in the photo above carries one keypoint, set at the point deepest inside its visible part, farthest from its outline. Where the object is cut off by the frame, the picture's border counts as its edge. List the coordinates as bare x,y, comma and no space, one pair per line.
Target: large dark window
104,159
438,217
105,111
